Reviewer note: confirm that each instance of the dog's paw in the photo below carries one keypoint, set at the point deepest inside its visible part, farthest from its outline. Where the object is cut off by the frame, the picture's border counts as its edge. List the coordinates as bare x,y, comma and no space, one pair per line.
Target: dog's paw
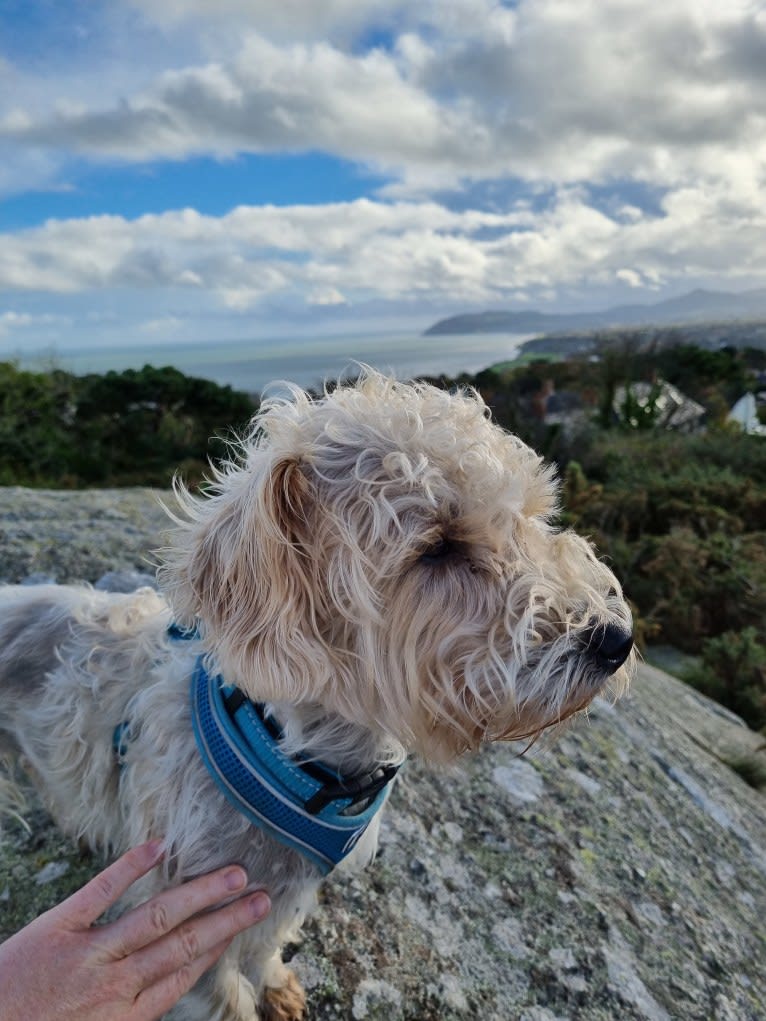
286,1002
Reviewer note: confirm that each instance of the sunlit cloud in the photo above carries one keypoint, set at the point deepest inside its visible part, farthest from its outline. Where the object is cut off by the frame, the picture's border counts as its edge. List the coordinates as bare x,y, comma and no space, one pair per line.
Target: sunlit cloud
624,145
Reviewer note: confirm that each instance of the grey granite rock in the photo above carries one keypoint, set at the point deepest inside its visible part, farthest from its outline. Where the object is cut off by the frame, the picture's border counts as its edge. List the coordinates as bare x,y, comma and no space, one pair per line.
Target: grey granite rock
618,872
48,535
125,581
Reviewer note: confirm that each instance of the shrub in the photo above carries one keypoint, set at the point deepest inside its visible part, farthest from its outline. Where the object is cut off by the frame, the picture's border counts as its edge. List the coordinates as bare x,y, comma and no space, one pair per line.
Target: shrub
122,428
733,672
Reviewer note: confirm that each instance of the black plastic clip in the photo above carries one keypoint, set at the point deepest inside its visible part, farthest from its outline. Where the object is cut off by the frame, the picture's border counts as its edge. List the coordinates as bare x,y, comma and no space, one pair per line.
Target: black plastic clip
362,788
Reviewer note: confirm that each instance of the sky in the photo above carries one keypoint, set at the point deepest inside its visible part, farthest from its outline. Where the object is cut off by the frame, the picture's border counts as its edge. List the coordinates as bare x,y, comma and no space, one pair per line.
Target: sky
203,170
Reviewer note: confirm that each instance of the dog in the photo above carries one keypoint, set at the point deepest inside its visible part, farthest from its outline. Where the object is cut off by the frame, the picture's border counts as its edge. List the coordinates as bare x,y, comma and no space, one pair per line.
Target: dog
373,574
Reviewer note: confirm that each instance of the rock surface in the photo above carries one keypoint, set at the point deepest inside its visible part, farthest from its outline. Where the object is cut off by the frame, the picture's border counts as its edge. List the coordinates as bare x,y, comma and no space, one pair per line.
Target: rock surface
619,872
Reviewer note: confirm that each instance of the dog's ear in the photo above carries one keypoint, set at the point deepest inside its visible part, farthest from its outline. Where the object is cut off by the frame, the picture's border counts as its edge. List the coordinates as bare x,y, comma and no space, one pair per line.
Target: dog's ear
242,572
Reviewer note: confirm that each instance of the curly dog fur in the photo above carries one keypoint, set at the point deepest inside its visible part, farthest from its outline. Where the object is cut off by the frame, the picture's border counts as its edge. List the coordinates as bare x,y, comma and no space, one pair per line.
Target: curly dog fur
379,566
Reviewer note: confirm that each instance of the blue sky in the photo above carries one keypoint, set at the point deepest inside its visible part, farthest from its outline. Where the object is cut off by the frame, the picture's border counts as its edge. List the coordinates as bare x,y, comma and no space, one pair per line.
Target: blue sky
207,185
187,171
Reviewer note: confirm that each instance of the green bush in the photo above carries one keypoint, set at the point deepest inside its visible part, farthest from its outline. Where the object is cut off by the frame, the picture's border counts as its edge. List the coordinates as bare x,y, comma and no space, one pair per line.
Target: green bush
682,522
122,428
733,672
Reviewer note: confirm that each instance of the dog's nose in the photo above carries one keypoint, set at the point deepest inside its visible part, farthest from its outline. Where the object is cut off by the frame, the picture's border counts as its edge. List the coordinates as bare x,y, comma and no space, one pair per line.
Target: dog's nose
609,645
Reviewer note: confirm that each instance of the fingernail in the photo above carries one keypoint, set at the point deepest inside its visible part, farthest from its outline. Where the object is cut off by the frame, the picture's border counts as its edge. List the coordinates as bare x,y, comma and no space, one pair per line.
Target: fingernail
155,849
260,905
235,879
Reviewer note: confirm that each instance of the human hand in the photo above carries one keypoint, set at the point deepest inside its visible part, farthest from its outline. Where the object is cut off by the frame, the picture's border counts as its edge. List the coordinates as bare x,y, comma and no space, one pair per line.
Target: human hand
63,968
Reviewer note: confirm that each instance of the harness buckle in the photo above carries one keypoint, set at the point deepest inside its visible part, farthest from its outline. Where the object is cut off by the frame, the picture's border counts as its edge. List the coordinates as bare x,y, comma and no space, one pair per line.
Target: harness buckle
363,788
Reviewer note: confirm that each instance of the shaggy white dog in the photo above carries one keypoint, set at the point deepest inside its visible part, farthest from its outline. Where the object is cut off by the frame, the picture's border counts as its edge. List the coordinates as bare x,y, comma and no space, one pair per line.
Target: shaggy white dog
377,571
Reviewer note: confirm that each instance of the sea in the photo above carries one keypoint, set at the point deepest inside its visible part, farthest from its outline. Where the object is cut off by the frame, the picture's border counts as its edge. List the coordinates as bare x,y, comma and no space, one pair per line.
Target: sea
250,365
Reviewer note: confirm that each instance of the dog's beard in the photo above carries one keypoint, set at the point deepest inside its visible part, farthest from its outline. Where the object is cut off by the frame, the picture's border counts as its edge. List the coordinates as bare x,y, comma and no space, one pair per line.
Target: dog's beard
318,571
461,681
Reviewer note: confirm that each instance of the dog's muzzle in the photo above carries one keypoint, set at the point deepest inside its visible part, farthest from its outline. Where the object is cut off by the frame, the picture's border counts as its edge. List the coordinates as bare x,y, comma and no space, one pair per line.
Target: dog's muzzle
608,646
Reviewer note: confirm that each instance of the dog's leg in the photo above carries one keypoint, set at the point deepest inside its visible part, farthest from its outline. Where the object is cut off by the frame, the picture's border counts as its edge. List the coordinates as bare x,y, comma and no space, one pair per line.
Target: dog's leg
225,994
283,997
238,995
222,994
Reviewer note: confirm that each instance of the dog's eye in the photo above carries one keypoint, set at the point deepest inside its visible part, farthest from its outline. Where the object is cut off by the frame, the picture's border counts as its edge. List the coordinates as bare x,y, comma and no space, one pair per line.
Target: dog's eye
439,551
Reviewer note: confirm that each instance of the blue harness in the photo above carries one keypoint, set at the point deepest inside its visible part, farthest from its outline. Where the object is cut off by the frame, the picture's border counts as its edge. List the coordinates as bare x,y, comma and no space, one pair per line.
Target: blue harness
305,805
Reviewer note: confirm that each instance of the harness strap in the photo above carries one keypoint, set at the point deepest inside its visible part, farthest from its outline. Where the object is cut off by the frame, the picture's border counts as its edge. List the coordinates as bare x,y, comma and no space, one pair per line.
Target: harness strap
315,811
305,805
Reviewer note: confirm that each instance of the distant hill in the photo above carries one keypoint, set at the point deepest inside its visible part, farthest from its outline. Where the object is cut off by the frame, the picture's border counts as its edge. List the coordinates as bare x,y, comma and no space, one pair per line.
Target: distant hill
696,306
710,335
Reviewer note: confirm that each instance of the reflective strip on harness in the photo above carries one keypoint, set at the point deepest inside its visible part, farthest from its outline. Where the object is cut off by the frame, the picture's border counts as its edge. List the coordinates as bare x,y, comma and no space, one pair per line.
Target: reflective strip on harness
273,791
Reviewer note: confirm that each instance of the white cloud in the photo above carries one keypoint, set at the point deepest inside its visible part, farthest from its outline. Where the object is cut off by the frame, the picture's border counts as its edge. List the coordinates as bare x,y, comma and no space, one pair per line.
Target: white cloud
405,251
666,102
326,296
630,277
11,321
553,90
289,19
253,251
266,99
162,326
